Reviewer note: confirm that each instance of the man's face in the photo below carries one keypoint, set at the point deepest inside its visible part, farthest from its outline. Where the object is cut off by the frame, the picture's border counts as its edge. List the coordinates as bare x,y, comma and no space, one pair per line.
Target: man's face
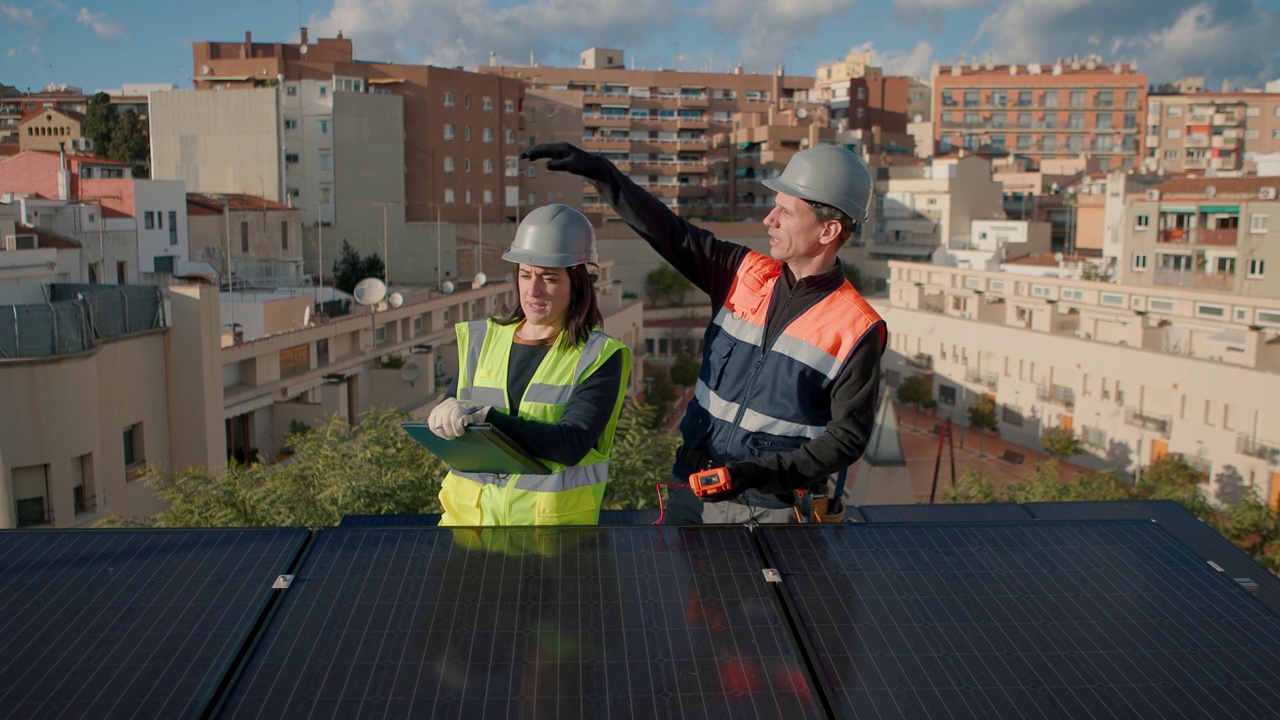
794,230
544,294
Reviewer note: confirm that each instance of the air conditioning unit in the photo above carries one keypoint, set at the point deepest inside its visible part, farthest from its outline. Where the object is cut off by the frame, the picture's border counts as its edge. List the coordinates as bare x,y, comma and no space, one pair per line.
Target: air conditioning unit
1153,195
1267,193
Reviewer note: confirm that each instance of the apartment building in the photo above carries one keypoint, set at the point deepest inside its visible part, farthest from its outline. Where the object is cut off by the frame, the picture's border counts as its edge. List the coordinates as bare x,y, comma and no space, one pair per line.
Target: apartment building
1137,372
1070,108
1210,133
457,141
15,105
53,130
552,116
741,159
1205,234
658,125
862,100
254,241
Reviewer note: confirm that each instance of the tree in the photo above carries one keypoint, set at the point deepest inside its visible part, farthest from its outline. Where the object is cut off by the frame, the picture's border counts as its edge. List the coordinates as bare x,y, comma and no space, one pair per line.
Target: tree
640,460
129,142
916,390
853,274
1172,478
666,286
684,372
349,269
99,122
1060,442
982,413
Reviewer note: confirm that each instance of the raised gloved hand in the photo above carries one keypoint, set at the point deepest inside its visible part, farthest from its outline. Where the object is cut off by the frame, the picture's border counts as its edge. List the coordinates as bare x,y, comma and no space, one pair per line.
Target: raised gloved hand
570,159
451,417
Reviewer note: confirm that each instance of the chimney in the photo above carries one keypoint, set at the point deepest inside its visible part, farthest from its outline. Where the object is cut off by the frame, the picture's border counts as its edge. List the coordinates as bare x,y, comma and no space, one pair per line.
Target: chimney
493,59
303,41
64,175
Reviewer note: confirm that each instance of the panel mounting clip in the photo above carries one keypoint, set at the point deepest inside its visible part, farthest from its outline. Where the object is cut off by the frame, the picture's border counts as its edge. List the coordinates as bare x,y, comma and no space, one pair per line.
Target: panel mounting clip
771,575
282,582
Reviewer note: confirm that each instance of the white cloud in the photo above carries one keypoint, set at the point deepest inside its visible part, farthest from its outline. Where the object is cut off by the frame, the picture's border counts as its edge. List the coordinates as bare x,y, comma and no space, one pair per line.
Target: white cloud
908,6
1232,39
21,16
449,33
768,33
103,26
916,62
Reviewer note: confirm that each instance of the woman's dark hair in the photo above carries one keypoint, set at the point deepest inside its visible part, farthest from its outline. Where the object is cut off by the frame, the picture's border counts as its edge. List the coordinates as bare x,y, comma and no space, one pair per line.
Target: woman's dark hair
584,309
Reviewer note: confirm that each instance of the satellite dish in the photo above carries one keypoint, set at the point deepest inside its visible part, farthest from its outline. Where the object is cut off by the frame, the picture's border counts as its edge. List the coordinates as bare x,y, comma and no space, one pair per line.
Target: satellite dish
302,50
447,287
306,316
802,113
804,142
1210,190
1057,257
410,372
480,279
370,291
204,69
395,300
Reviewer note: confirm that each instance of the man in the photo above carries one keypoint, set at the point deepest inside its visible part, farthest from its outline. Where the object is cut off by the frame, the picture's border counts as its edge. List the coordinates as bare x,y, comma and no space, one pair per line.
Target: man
791,362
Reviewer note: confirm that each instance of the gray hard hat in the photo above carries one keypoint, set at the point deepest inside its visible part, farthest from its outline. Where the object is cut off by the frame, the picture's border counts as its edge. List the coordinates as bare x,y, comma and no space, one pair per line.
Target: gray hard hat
830,175
553,236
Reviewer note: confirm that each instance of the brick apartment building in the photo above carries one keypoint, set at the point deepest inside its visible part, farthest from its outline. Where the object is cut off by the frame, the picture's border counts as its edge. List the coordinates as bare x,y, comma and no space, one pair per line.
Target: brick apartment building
1210,133
1070,108
659,125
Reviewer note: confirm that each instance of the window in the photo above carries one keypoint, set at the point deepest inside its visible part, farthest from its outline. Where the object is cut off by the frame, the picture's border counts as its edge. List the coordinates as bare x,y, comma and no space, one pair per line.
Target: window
1174,111
244,237
1257,223
82,476
1210,311
946,394
1076,98
31,495
324,91
533,171
448,196
326,195
509,107
134,449
466,133
1172,133
1170,154
1112,299
290,124
149,220
291,90
1075,121
163,264
487,104
380,334
488,166
295,360
1255,271
291,158
448,164
448,99
466,101
448,132
466,165
487,135
1142,222
488,197
326,161
1106,98
1011,415
173,227
510,137
1160,305
324,127
284,235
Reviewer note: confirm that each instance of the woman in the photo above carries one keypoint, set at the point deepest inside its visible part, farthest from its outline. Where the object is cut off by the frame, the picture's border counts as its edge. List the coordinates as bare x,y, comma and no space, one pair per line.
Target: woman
546,376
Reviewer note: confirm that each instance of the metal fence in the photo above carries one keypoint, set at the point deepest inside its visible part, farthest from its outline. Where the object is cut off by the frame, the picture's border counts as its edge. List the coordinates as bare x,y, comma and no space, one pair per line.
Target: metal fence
76,317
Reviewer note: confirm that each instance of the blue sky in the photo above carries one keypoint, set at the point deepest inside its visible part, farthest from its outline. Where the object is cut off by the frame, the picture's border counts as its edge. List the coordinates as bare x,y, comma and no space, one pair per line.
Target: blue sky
108,43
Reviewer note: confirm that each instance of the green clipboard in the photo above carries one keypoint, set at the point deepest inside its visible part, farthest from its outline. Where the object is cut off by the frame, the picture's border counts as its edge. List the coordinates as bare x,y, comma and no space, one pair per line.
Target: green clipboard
483,448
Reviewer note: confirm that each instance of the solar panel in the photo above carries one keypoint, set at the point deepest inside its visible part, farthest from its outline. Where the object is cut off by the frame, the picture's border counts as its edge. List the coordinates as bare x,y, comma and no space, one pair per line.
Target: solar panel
403,521
129,623
525,622
976,512
1032,619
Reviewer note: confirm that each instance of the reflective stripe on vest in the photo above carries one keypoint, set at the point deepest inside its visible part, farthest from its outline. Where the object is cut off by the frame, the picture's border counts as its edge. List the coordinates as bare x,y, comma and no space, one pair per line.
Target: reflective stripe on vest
567,479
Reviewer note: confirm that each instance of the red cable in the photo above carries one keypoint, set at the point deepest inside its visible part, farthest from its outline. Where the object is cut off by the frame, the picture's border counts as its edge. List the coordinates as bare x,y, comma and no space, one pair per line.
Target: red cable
662,508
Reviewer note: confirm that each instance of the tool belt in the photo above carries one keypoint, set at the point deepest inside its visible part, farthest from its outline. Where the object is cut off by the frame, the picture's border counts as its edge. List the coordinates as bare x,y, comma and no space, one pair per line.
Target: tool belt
811,504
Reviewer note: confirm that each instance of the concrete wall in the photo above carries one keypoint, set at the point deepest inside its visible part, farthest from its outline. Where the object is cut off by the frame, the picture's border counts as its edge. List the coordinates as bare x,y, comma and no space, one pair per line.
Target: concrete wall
225,141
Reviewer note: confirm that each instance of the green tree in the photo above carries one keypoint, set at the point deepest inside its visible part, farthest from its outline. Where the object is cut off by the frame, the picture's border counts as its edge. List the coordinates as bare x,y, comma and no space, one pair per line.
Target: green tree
350,268
129,143
1060,442
1172,478
640,460
982,413
916,390
666,286
99,122
684,371
853,274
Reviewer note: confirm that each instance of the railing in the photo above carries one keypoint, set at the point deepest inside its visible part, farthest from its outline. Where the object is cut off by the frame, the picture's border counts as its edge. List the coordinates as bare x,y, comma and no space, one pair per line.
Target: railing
1247,444
1058,394
1175,278
1218,236
989,379
1162,424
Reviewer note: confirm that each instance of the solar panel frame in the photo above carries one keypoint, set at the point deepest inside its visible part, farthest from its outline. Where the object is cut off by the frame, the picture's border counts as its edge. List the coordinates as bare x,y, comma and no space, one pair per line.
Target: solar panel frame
675,622
864,593
111,619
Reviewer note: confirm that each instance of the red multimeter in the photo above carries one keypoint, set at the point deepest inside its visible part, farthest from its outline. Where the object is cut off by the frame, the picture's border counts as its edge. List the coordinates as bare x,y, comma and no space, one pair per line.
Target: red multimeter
709,482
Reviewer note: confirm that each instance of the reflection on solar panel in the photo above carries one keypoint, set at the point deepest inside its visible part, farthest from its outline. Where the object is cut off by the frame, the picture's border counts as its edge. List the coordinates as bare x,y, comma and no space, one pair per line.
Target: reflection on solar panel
135,623
975,512
525,622
1026,620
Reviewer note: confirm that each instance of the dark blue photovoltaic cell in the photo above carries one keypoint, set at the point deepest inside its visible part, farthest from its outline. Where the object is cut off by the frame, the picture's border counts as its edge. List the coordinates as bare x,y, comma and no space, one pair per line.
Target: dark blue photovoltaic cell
628,517
966,513
1037,619
525,622
129,623
400,521
1201,539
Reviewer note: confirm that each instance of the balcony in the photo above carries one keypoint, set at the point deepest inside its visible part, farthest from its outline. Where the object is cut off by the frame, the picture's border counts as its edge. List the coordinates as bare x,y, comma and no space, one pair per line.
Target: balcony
1174,236
1162,424
1197,140
1220,236
1058,395
602,120
1175,278
989,379
923,361
1221,282
1251,446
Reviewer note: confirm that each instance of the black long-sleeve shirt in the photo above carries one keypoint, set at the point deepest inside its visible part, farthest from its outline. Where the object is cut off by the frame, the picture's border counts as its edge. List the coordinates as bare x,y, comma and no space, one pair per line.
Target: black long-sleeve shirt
711,264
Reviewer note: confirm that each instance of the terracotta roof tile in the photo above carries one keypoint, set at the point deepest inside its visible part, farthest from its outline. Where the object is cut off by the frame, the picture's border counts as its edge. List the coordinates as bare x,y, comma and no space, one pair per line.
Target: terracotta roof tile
237,201
46,239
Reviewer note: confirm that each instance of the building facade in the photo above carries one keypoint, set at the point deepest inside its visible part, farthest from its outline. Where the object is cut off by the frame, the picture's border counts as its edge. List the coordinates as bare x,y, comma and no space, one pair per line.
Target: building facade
1210,133
1070,108
53,130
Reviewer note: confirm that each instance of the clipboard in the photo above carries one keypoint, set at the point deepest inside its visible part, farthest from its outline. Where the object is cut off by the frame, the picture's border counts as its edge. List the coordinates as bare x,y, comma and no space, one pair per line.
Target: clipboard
483,448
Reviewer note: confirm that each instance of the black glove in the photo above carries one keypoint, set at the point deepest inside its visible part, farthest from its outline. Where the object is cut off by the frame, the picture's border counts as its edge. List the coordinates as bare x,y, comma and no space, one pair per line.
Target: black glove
570,159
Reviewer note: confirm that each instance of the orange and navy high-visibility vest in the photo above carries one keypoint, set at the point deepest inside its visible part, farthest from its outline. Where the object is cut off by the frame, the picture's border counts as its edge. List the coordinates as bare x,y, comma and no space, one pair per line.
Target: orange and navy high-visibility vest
753,402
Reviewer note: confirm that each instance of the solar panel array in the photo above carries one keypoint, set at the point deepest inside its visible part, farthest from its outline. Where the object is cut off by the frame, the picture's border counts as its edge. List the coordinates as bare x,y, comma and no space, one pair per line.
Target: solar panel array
520,622
129,624
1079,620
952,611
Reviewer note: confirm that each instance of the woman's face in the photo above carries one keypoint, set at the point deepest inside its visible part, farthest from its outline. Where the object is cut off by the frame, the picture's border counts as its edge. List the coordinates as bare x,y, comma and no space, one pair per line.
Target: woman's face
544,294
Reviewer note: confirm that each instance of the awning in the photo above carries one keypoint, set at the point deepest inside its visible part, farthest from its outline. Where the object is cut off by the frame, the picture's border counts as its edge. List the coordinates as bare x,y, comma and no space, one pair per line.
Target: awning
1229,337
224,78
385,81
1220,208
1179,210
